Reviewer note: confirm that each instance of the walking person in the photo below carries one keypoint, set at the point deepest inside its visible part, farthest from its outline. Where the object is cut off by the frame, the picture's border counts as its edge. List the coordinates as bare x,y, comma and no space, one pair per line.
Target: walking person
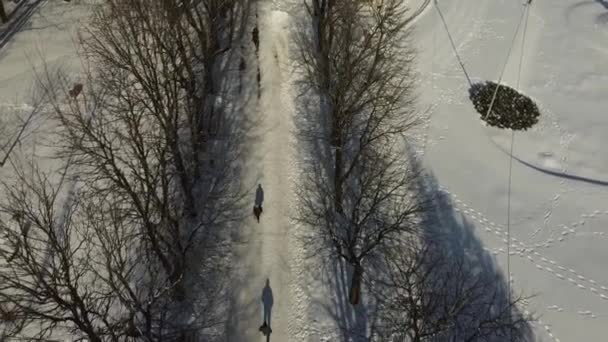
259,199
267,302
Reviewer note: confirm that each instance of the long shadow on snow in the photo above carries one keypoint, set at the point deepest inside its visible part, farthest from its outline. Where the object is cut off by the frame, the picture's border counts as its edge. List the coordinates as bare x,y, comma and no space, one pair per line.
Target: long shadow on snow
237,148
440,226
552,172
238,325
322,268
17,20
600,19
453,235
209,307
603,3
334,275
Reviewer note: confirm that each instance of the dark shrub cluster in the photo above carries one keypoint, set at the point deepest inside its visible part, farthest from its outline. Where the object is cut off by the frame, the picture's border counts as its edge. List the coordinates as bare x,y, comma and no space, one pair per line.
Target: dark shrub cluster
510,110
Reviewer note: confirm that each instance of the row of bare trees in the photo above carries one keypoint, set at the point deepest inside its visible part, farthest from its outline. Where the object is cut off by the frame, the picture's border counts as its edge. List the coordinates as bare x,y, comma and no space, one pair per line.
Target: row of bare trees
362,195
100,252
361,69
429,293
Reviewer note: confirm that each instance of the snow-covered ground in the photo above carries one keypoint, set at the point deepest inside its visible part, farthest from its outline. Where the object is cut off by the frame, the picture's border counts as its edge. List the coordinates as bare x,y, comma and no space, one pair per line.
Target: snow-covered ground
264,252
559,198
47,34
559,207
559,192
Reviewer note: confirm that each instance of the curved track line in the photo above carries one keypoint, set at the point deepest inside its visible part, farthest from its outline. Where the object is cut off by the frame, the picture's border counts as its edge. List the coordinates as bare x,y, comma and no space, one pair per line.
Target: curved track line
551,172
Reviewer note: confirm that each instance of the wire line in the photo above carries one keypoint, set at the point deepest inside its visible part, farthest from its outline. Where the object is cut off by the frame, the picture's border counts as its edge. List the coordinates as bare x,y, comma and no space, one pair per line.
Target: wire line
521,57
504,67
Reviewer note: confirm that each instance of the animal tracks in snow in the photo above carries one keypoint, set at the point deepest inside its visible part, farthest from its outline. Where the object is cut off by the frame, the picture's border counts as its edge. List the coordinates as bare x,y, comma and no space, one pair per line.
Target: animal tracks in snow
555,308
547,329
586,314
530,253
572,230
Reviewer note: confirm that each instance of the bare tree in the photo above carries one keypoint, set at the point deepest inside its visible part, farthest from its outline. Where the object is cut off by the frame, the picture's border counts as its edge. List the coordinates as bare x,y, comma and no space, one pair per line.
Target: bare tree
138,127
207,29
69,264
134,128
359,63
430,295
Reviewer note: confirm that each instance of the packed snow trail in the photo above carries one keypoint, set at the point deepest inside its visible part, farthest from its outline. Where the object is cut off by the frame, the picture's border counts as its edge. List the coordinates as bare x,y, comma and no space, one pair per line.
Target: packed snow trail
263,257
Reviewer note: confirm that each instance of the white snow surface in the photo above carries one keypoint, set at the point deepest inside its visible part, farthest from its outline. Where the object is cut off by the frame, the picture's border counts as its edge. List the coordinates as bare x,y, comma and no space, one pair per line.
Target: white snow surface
269,251
47,34
559,220
559,190
559,224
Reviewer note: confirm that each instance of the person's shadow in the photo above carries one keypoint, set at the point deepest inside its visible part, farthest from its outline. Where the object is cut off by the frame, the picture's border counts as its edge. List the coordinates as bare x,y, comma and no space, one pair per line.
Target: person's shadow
267,302
259,196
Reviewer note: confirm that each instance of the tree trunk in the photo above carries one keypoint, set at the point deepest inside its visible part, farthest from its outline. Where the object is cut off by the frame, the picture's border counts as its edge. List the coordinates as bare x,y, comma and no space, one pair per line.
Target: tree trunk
338,180
355,285
208,107
337,144
322,11
184,181
178,292
3,15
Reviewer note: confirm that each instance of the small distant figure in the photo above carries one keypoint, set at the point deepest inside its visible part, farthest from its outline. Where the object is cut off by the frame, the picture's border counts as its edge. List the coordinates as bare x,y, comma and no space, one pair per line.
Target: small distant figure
257,211
259,199
255,37
75,91
259,195
242,67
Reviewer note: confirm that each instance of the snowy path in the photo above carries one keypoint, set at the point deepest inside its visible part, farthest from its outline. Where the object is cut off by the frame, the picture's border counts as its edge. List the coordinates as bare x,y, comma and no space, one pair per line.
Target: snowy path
264,253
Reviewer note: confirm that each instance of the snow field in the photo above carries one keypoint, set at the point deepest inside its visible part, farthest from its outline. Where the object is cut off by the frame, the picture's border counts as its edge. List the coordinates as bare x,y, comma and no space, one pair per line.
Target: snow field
558,209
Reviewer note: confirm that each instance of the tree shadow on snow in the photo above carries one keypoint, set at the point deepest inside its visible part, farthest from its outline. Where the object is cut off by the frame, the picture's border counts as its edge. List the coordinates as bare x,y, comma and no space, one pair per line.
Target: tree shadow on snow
17,20
326,279
452,235
209,309
600,19
603,3
331,317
